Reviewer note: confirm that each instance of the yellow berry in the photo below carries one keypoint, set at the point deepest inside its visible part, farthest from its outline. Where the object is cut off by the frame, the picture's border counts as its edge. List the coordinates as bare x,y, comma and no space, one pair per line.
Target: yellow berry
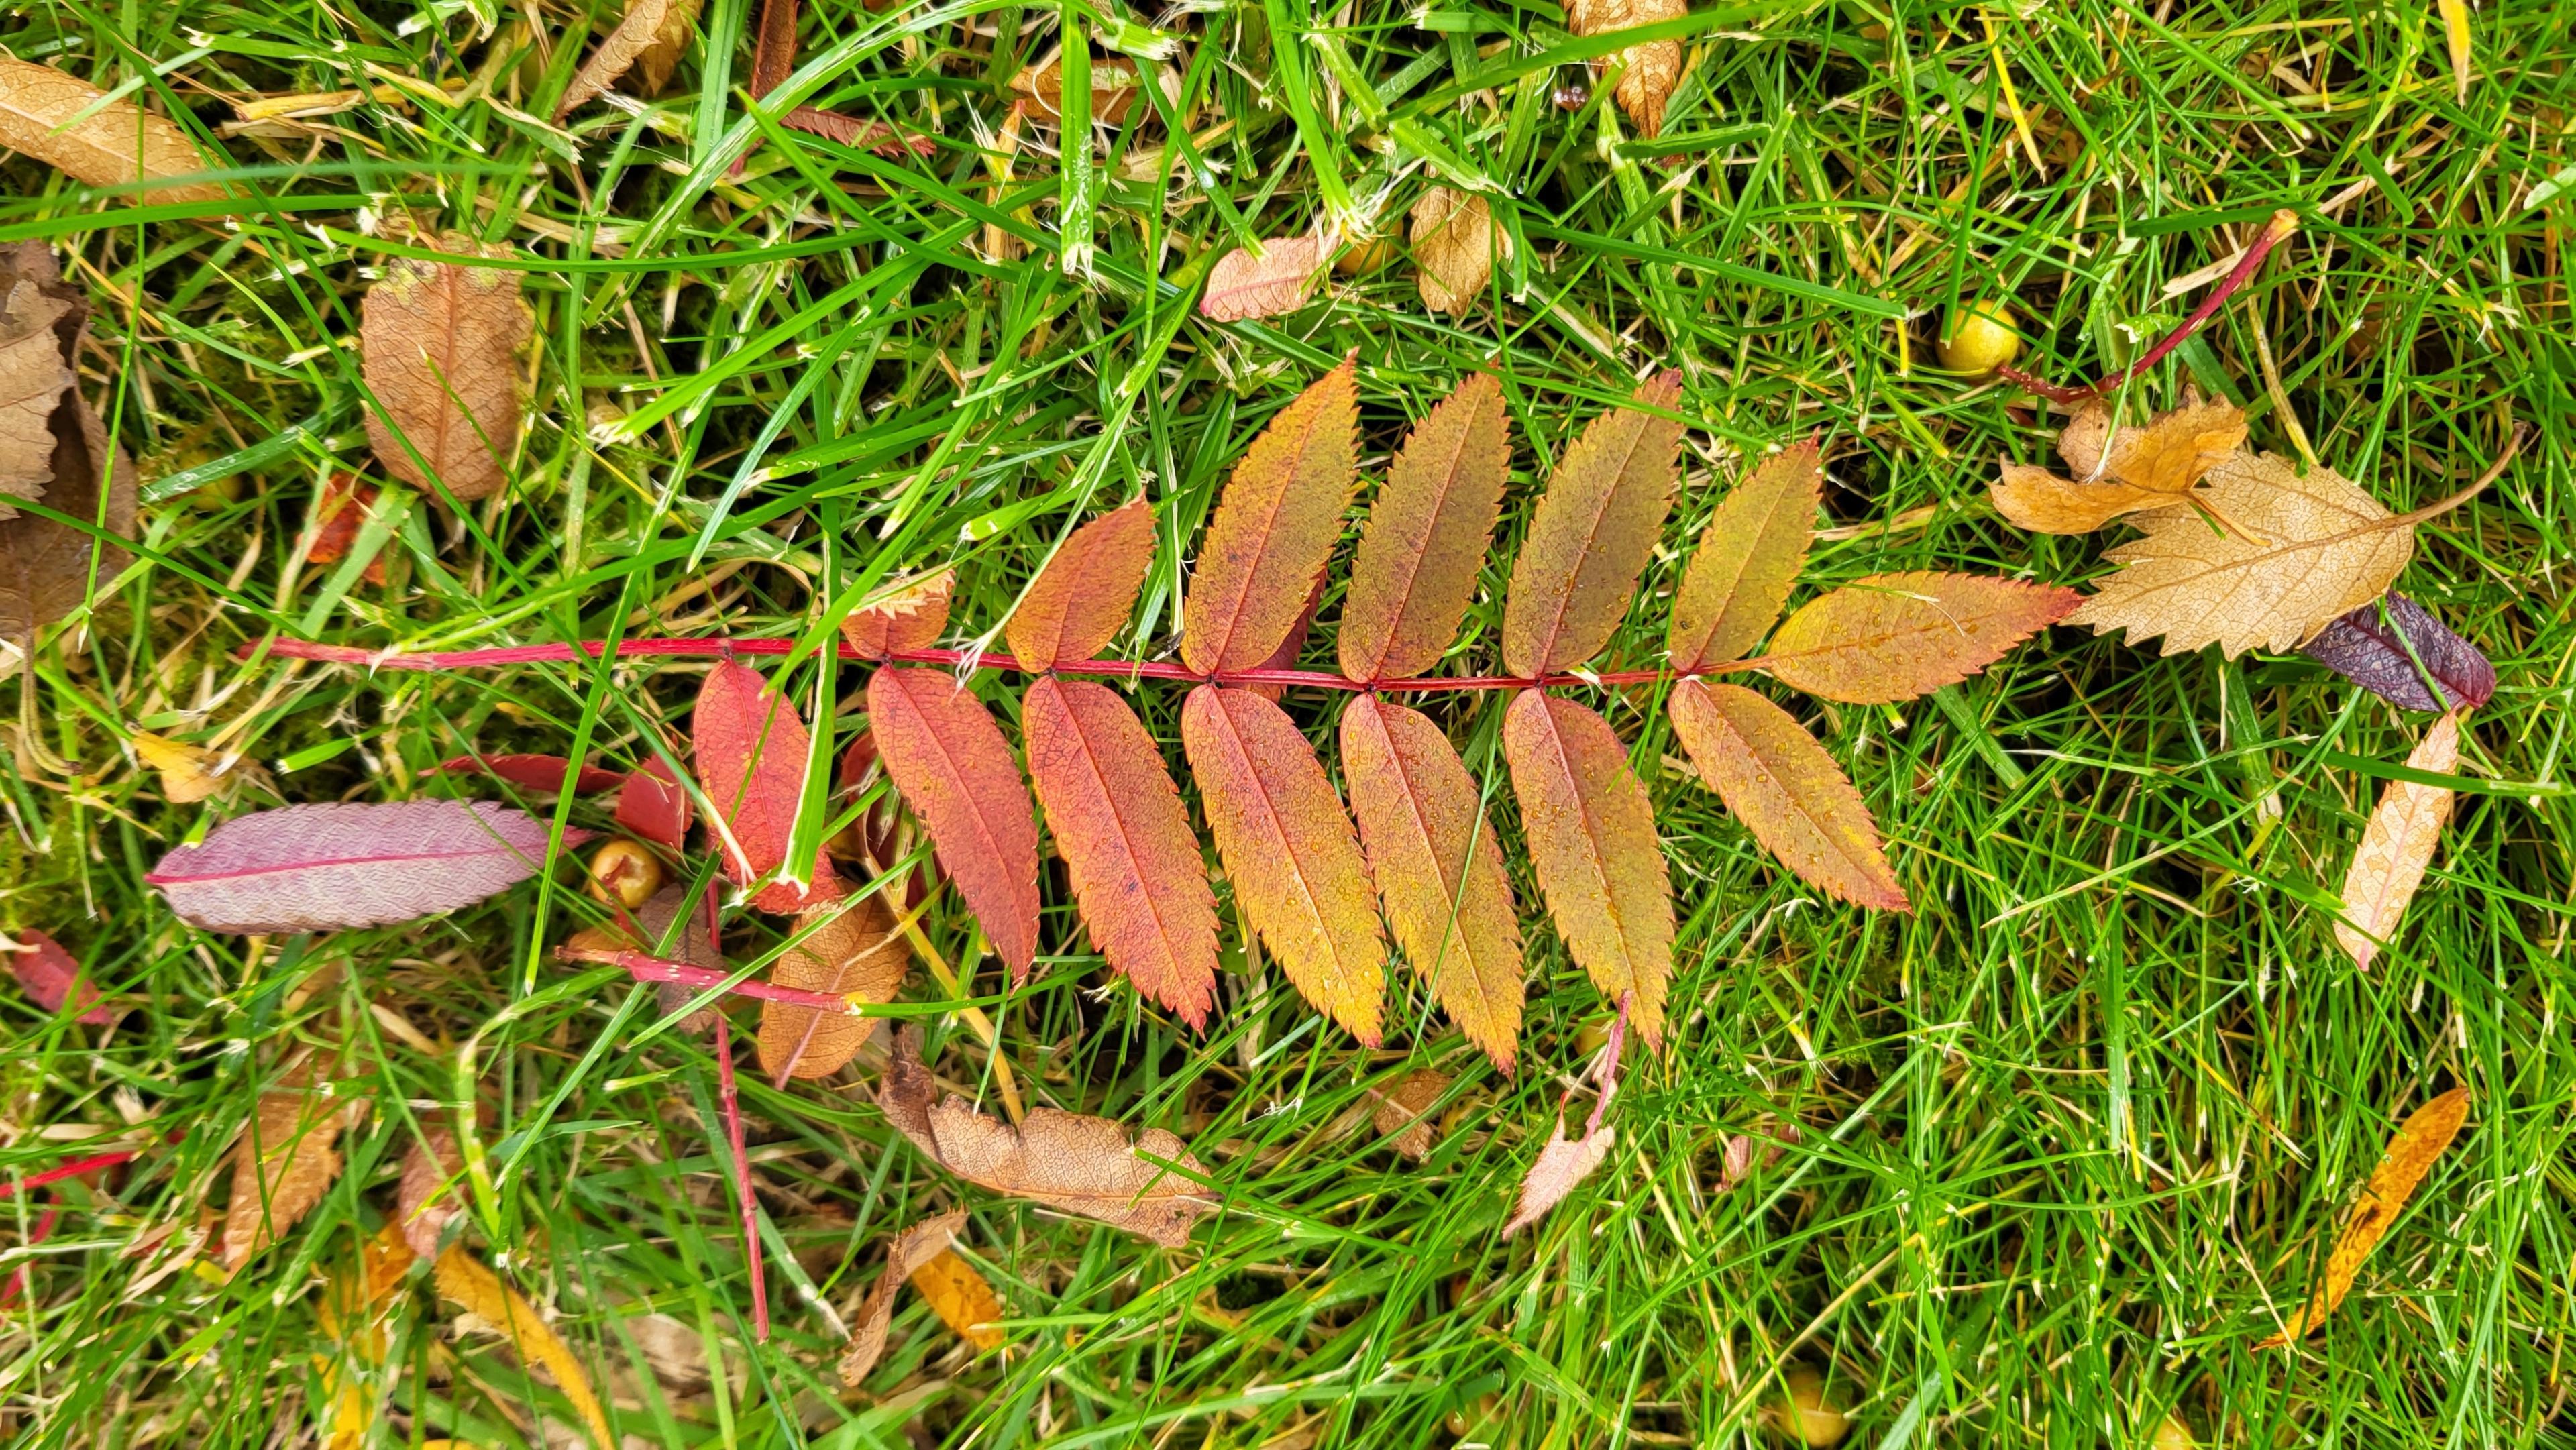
1591,1037
2172,1434
1365,255
624,871
1812,1419
1981,337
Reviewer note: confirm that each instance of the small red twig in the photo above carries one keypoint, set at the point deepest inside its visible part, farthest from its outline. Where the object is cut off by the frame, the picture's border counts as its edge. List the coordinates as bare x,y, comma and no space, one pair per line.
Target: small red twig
73,1169
43,1230
646,968
742,1179
2274,233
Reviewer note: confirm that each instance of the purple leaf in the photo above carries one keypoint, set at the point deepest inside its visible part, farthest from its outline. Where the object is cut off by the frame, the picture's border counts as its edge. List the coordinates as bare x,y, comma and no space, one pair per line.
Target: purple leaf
52,978
2368,651
320,868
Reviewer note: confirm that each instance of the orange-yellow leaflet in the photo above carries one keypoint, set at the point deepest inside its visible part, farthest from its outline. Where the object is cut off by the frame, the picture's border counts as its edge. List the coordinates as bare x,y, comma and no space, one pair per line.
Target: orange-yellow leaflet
1592,837
2420,1140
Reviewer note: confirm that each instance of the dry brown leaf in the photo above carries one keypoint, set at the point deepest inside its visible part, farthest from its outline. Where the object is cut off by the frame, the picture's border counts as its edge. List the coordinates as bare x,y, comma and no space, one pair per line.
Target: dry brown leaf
1647,73
46,567
1113,89
1455,244
2419,1141
286,1160
853,951
113,143
906,1254
2397,845
426,1202
1070,1161
438,346
464,1281
2296,552
649,41
35,373
2145,467
358,1303
1403,1112
1280,278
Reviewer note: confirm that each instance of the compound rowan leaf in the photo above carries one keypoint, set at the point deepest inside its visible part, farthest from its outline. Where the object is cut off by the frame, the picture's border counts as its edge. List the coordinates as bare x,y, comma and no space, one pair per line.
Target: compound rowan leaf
1595,528
654,805
1082,598
1138,877
2381,655
751,748
907,1254
649,41
326,867
2411,1153
1648,72
1279,278
2405,828
531,772
2289,554
2122,471
438,345
946,755
851,948
1427,536
910,618
286,1160
1438,869
53,980
74,126
46,568
1071,1161
1591,835
1750,552
464,1281
1454,246
1786,790
1289,852
1892,637
1275,527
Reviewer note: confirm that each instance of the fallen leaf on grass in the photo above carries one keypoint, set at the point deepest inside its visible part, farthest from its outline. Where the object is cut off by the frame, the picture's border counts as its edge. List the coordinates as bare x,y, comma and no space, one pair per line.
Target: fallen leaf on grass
961,1298
1595,528
1082,598
2374,653
852,949
1279,278
359,1302
1113,89
46,568
1647,73
286,1160
2148,466
1274,529
1560,1167
1591,833
464,1281
1455,245
1428,533
2419,1141
921,1256
2396,847
53,980
1749,555
327,867
908,619
188,772
1892,637
751,746
438,345
68,123
1071,1161
35,373
425,1201
1403,1112
339,511
531,772
945,753
1786,789
649,41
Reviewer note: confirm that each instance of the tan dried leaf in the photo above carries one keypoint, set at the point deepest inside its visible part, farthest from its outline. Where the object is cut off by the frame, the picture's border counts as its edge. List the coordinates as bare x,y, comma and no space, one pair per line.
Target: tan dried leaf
188,773
2146,467
1071,1161
286,1160
1455,244
1280,278
438,346
1113,89
1648,72
35,373
855,951
649,41
1403,1112
907,1254
2419,1141
46,567
112,143
2396,847
2294,553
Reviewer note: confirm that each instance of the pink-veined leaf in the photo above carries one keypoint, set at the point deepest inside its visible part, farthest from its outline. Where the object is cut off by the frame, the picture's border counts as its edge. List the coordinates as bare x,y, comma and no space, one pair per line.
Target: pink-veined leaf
327,867
56,982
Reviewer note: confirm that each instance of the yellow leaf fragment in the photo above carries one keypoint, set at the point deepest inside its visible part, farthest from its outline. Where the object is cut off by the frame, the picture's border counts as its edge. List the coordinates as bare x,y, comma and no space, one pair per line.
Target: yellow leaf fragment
464,1281
961,1298
188,773
2455,35
2396,847
111,143
2419,1141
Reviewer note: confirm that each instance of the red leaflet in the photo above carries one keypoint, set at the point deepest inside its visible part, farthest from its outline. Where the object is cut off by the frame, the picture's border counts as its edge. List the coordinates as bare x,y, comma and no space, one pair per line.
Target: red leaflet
956,772
654,805
1125,837
324,867
337,513
1289,851
1285,657
1592,837
530,772
1595,528
1274,528
1084,594
751,748
53,979
911,618
1427,536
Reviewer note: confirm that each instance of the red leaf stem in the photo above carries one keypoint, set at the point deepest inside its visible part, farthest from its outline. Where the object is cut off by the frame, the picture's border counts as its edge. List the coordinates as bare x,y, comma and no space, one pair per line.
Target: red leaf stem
73,1169
742,1178
645,968
2274,233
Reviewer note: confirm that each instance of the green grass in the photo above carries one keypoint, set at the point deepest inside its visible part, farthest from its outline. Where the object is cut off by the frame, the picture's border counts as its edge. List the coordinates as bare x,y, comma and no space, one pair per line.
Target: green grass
2075,1133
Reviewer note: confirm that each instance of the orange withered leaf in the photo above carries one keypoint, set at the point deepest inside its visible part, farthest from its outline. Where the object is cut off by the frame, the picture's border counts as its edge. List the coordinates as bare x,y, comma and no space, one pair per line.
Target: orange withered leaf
853,949
438,344
286,1160
1274,528
1593,533
1591,835
909,618
463,1280
1439,871
1749,555
948,758
2419,1141
1427,536
1290,852
1892,637
1082,598
1786,790
1126,841
1279,278
751,747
